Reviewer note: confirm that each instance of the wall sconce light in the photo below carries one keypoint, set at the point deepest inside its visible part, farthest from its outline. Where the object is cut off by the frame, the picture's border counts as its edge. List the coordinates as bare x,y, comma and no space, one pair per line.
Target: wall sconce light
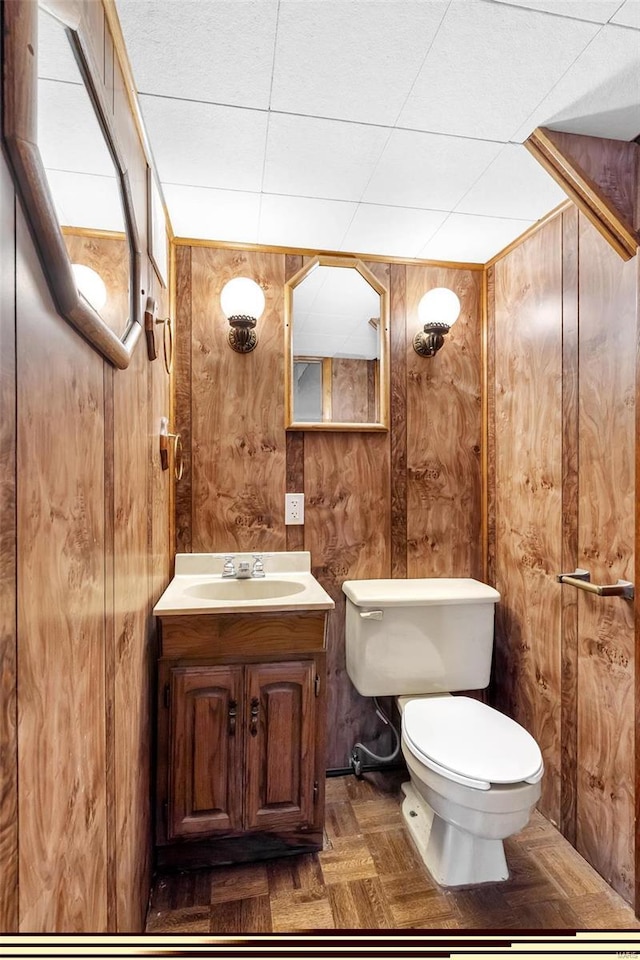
438,310
91,285
242,302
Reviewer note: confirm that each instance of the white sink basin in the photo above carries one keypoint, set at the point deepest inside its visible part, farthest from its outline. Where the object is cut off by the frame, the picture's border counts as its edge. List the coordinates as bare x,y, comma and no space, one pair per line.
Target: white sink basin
242,590
198,587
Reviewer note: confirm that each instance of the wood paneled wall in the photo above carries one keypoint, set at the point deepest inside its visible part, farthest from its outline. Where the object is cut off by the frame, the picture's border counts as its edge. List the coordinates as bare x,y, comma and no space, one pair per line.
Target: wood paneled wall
562,379
84,553
406,502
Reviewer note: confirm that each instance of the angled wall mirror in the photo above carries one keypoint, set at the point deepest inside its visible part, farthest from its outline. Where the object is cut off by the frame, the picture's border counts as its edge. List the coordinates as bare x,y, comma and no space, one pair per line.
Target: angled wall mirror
70,173
336,347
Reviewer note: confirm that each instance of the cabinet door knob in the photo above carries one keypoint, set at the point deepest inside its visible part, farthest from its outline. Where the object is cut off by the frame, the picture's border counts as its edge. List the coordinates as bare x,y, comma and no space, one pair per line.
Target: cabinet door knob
233,704
253,725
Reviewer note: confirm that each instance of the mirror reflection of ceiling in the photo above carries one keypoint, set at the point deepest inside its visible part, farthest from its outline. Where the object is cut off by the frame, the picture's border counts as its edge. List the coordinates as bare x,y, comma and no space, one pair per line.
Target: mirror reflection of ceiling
332,310
80,169
378,127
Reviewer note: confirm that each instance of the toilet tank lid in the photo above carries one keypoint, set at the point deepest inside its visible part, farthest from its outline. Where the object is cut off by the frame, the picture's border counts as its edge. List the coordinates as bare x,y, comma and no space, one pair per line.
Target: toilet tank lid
428,590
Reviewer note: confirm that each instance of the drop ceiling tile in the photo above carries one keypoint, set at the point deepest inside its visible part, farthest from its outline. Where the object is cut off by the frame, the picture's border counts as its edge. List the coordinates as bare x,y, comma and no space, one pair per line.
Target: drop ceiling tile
489,67
471,239
301,222
55,55
353,61
428,170
205,145
204,214
69,134
391,231
221,52
599,11
600,95
628,15
85,200
514,186
320,158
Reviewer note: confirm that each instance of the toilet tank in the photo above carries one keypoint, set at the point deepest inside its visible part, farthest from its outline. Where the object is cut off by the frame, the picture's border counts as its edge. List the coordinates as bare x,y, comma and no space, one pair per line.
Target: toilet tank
419,636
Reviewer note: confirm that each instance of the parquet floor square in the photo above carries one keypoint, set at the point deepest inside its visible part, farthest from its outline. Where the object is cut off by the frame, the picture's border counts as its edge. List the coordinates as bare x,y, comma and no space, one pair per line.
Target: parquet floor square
369,876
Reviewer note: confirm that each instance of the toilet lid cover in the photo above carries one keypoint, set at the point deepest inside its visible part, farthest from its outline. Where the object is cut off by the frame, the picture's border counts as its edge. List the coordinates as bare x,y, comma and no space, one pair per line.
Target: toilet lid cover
471,742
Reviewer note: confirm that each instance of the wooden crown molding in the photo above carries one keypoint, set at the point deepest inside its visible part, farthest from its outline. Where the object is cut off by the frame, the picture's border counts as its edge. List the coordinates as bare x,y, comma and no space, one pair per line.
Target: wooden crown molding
600,176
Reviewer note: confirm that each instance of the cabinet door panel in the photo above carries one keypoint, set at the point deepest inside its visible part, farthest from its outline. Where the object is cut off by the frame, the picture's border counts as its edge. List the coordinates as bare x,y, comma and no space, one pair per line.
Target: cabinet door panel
205,783
280,746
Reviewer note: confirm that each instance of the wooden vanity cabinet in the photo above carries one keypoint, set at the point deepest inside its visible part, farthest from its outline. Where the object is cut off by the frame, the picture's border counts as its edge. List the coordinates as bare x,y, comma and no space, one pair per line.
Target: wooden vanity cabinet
241,742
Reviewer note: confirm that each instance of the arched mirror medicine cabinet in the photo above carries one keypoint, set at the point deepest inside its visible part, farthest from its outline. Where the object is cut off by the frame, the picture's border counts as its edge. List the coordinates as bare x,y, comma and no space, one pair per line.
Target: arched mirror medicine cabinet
70,172
336,348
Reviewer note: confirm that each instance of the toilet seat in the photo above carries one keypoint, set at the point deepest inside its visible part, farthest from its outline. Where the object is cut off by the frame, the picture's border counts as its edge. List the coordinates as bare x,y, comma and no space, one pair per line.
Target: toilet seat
469,742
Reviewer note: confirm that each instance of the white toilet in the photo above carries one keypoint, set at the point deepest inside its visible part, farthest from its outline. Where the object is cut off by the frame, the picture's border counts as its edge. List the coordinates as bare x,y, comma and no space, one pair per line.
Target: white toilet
475,773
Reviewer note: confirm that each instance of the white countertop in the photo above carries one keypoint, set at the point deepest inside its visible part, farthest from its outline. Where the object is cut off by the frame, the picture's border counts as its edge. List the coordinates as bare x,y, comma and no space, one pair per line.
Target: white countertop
202,572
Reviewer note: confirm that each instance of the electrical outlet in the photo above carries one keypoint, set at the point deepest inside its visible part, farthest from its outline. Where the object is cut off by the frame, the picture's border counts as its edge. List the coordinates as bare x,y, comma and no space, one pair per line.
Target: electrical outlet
293,508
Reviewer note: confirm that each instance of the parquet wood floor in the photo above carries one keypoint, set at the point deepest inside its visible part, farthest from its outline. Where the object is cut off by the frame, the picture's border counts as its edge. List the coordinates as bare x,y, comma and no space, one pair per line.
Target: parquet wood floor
370,877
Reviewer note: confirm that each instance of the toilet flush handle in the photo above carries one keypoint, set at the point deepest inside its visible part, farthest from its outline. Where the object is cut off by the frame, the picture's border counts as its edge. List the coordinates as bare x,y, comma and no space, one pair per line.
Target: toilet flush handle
371,615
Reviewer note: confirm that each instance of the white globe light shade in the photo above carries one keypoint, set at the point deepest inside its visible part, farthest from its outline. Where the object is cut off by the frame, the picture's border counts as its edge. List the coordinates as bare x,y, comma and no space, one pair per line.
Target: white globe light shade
91,285
439,305
242,297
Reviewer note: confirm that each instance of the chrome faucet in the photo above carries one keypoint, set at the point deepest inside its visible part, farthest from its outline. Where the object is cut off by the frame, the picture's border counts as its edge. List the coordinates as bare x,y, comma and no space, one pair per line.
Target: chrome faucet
245,571
228,569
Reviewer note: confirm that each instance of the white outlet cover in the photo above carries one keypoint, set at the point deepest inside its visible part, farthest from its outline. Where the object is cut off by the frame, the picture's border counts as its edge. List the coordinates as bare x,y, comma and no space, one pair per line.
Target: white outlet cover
293,509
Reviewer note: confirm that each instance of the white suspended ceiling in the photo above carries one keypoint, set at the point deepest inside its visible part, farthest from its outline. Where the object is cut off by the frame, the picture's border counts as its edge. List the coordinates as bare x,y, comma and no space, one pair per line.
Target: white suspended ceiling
390,127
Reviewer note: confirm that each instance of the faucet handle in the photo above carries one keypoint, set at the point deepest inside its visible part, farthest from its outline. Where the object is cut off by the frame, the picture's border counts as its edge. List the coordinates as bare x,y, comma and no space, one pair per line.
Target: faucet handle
228,569
258,566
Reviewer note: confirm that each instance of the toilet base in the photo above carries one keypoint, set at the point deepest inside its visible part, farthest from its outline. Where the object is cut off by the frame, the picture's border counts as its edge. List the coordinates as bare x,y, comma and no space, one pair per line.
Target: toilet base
452,856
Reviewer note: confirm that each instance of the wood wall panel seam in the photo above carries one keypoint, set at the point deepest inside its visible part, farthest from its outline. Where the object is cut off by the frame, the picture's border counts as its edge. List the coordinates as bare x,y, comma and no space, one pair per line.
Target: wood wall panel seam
398,420
109,649
294,456
637,605
570,521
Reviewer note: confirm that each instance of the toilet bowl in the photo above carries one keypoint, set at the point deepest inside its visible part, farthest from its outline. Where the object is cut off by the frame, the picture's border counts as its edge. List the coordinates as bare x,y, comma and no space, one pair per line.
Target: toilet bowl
475,774
459,817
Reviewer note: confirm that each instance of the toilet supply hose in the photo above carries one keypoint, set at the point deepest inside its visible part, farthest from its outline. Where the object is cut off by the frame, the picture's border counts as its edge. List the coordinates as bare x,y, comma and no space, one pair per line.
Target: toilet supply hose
358,748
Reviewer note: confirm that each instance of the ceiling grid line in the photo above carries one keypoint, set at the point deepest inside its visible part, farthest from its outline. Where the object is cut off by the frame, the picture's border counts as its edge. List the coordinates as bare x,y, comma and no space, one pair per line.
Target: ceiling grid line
393,129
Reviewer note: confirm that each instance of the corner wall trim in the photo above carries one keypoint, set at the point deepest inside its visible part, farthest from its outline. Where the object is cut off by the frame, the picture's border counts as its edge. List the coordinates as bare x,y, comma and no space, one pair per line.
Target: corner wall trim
584,192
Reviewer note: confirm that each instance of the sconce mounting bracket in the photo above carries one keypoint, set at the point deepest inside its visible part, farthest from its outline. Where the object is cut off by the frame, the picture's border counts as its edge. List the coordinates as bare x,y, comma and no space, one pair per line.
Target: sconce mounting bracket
428,341
242,336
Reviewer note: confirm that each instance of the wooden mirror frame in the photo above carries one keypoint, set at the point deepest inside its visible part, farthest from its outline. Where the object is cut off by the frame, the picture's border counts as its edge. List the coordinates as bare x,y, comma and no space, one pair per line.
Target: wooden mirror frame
19,128
383,389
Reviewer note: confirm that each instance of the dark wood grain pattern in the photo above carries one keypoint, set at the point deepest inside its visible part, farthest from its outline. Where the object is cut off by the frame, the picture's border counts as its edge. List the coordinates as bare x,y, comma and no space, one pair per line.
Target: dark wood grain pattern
369,877
238,437
349,390
182,392
8,635
347,531
613,165
605,201
570,442
79,824
528,413
443,434
606,772
61,700
565,322
356,489
398,420
132,703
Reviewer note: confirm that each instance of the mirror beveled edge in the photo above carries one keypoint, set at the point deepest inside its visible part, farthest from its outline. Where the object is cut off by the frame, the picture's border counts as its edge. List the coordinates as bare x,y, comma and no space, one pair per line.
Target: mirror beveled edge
384,385
19,130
